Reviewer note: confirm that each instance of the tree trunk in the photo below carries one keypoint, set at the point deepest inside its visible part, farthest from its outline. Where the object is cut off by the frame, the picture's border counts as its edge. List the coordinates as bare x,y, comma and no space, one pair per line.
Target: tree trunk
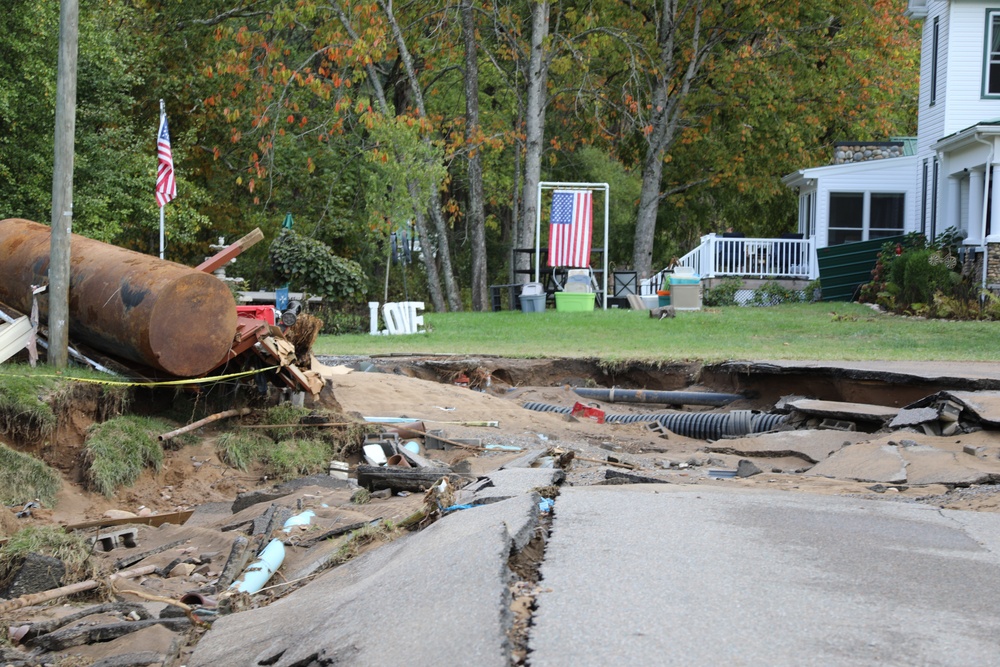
433,278
649,204
427,251
534,133
434,207
476,217
670,90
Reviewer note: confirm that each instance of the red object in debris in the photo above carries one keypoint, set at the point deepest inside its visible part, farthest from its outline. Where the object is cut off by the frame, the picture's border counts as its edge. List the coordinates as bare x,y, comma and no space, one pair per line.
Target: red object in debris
265,313
581,411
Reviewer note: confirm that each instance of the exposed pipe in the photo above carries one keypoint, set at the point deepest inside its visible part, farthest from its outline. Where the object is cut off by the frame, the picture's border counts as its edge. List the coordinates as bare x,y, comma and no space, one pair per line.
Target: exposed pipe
610,419
259,571
201,422
665,397
702,425
713,426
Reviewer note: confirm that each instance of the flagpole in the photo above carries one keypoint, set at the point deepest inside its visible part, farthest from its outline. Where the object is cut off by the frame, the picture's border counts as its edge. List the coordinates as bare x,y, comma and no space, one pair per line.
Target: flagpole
163,111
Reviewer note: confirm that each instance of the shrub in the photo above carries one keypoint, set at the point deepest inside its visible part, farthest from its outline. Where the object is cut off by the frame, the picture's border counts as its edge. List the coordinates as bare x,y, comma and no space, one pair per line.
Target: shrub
919,278
723,294
311,265
343,318
772,293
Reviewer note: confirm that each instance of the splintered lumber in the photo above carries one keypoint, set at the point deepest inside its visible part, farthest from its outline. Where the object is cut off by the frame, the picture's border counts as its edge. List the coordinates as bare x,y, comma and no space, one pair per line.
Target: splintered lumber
230,252
375,478
201,422
62,591
417,460
154,520
605,462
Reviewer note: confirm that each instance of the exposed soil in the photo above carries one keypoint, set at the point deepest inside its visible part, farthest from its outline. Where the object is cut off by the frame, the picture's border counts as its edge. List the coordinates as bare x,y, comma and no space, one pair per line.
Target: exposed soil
425,388
480,400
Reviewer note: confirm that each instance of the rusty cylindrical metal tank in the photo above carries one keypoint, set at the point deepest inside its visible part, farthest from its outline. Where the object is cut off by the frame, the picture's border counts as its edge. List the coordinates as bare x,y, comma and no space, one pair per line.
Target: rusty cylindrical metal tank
129,305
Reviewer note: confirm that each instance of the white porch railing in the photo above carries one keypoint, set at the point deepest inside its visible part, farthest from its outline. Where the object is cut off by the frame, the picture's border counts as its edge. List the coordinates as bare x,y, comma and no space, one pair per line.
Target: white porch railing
753,258
718,257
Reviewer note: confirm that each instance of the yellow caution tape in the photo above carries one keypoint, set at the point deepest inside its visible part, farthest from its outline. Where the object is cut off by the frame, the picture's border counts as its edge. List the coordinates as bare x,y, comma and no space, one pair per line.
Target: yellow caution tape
168,383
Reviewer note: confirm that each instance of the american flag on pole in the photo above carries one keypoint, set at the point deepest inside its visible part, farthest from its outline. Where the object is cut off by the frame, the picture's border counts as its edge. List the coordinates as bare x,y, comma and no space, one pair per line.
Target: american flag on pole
571,227
166,186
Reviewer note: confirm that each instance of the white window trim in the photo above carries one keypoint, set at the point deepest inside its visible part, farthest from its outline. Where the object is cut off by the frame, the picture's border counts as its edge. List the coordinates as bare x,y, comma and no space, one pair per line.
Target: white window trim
991,13
866,211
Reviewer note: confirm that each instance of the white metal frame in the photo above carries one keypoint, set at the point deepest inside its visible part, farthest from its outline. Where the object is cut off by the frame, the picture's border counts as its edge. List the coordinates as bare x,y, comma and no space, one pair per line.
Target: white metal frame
552,185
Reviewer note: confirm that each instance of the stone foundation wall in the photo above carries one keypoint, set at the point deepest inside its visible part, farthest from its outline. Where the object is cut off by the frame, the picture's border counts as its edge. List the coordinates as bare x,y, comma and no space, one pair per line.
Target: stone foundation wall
993,267
844,153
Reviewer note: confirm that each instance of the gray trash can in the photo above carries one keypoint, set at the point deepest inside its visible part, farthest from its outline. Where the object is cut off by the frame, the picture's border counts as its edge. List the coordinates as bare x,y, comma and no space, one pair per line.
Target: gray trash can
532,298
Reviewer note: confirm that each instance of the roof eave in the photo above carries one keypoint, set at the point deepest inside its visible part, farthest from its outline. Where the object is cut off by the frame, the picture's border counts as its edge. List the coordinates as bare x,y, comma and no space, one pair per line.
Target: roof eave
965,137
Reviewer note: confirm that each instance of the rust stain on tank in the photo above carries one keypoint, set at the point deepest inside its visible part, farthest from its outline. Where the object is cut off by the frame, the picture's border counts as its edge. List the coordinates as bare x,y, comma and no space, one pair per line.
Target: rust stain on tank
138,307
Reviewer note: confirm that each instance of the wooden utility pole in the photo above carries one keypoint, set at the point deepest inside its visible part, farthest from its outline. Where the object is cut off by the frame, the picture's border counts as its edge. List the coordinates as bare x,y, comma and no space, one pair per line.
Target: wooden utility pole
62,184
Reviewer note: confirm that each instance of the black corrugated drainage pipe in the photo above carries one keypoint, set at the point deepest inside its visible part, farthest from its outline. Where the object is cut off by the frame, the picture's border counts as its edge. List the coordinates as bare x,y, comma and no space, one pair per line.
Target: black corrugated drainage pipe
702,425
615,395
712,426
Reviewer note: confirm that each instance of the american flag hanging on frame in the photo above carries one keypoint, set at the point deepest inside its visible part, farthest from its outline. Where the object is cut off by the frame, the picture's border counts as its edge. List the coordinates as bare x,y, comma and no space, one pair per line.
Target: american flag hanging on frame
571,227
166,186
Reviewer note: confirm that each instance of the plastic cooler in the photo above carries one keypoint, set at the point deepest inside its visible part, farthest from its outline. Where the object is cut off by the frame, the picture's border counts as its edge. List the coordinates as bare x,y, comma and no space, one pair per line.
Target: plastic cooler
685,291
570,302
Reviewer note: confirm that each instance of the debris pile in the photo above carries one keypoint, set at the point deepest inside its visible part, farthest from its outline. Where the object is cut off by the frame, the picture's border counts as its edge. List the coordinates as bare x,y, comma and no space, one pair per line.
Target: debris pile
449,479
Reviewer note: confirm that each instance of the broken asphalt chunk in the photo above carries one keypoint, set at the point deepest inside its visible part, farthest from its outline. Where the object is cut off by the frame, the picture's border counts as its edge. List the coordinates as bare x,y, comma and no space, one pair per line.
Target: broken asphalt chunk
36,573
620,477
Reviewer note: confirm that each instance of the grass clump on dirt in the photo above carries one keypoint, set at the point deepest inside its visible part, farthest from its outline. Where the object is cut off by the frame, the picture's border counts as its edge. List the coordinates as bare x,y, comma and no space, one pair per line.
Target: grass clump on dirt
24,414
284,459
24,478
32,400
73,550
242,449
298,456
285,420
120,449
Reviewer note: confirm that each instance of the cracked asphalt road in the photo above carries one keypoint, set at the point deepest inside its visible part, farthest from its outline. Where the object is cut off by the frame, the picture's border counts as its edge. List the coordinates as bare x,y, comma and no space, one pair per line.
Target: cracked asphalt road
688,576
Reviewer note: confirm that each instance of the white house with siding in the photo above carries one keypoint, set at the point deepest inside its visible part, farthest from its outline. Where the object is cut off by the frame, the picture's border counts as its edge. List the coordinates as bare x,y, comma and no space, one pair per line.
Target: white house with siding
949,179
857,201
943,178
957,135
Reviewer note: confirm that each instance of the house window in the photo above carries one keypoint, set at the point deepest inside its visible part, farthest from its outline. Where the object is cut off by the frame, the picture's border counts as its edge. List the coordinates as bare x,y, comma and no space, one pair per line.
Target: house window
935,43
847,217
991,68
864,216
886,215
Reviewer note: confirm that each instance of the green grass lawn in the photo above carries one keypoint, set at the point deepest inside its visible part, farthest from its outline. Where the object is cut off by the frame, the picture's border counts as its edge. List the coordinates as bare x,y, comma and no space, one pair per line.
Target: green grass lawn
817,331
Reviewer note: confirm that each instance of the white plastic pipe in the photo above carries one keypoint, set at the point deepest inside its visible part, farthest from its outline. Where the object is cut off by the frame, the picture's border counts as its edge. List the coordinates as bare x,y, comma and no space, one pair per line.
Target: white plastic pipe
259,571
